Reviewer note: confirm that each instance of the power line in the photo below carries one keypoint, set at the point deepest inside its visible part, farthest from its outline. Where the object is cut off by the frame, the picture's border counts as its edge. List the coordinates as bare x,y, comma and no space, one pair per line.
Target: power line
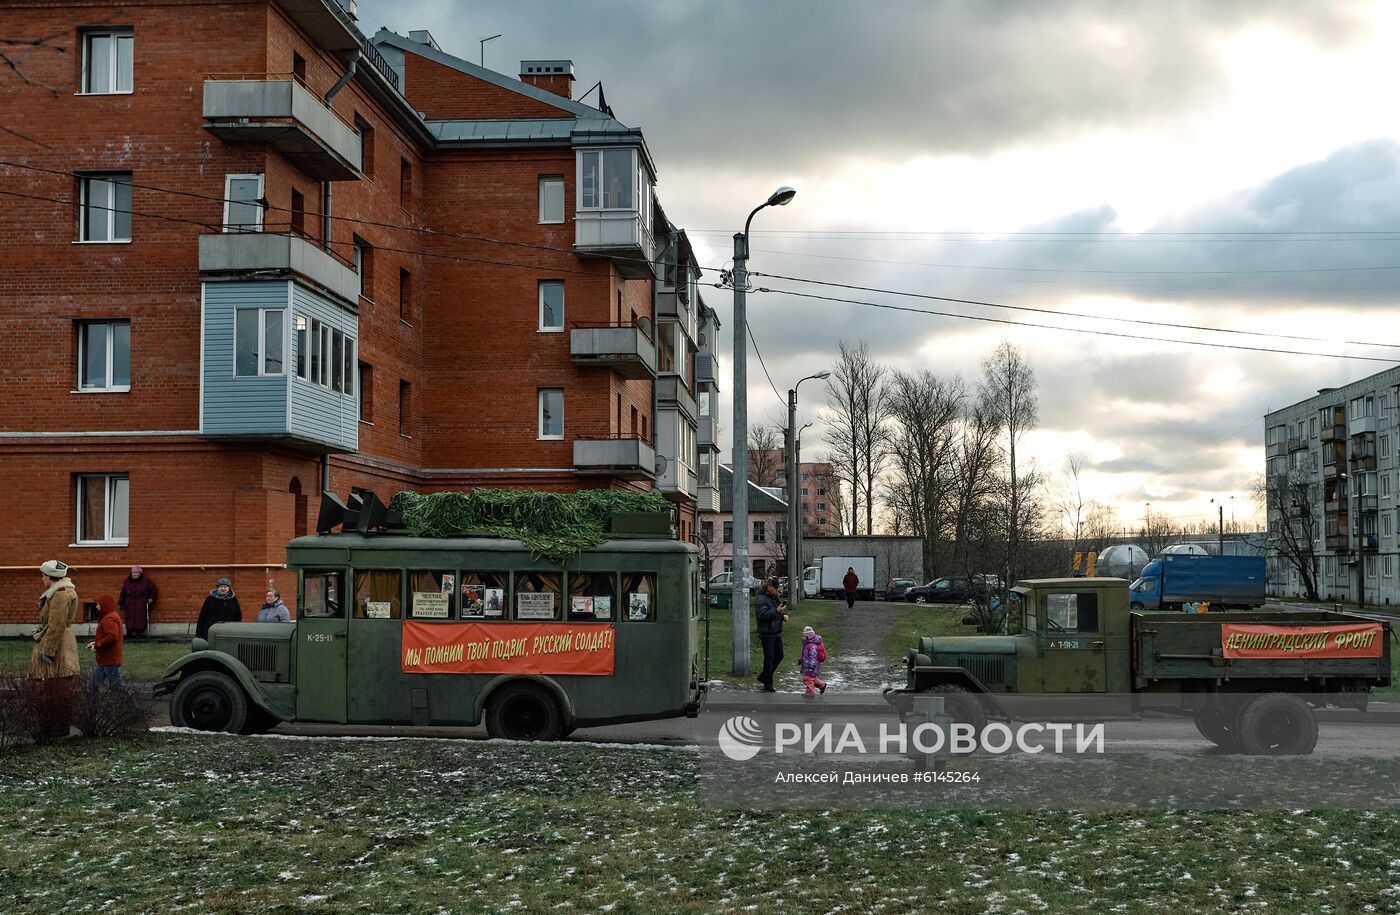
1067,314
764,365
1072,237
1075,330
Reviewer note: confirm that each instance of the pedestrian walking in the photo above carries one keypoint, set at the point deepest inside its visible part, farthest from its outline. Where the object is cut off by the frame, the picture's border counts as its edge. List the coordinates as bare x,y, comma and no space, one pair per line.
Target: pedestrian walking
771,614
55,654
221,606
273,610
137,601
813,654
107,644
850,583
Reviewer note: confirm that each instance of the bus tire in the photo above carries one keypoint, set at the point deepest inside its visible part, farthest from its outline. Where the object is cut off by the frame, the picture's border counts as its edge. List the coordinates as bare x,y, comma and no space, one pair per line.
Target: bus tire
1277,724
524,711
209,700
1216,725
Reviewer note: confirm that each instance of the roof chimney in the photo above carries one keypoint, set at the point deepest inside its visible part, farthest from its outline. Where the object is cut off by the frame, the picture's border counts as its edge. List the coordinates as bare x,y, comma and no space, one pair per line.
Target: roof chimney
555,76
423,36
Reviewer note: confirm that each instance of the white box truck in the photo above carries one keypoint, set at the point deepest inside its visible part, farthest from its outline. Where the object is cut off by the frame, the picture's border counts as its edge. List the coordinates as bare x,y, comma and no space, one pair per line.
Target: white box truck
834,574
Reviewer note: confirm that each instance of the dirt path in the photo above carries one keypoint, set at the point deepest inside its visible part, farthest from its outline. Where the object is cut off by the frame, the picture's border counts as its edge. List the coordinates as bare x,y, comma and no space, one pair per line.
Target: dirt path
862,662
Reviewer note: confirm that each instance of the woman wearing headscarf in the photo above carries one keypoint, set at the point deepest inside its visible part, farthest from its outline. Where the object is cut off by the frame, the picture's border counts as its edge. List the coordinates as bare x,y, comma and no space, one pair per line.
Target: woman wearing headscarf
137,601
221,606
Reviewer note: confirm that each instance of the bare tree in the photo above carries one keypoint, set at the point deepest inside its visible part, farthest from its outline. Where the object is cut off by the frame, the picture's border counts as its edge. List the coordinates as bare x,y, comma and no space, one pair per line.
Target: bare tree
925,412
1008,389
1157,532
1293,524
765,455
15,54
975,464
1073,506
856,396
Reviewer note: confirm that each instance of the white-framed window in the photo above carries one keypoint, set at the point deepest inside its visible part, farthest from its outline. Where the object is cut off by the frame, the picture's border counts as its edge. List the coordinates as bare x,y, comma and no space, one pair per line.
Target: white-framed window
613,179
363,256
104,356
1385,446
242,212
326,357
108,61
551,305
103,506
259,341
104,207
551,414
1388,566
551,199
1386,525
1370,567
1385,486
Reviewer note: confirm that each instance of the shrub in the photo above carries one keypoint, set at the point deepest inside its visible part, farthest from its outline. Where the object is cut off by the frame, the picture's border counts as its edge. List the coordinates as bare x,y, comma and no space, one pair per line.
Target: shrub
36,711
110,712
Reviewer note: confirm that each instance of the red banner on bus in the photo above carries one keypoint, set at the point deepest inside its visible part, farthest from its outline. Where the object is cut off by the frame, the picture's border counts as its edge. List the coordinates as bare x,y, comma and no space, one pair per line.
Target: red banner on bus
1360,640
508,648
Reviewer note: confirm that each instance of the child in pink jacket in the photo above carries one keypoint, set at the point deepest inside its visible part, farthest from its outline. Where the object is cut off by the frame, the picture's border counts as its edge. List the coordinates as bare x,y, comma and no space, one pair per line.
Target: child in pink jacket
813,654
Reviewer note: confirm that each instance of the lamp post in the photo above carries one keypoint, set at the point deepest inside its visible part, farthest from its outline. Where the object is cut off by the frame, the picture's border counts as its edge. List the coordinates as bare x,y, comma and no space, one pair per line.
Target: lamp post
739,599
1220,530
794,489
795,538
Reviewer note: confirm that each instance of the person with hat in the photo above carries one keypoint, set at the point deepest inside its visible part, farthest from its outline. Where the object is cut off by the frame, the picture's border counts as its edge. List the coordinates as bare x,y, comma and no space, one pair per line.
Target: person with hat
137,601
55,654
107,645
771,614
221,606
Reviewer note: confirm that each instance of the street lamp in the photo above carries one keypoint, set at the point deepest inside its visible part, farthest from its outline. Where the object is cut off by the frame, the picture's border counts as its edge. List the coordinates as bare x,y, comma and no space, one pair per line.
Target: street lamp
795,541
739,599
794,491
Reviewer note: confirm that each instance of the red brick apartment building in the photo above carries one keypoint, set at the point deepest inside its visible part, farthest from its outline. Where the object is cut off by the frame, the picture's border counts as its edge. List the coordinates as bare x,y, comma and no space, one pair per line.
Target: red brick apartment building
252,253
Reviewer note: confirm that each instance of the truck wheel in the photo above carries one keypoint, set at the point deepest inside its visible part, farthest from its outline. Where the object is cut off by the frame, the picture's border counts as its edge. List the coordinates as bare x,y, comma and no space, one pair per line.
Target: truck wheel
1214,726
962,705
209,700
524,711
1278,724
1135,606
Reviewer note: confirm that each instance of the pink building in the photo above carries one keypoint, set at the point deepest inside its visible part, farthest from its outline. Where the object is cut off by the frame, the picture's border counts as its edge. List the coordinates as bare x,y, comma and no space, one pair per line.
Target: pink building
768,523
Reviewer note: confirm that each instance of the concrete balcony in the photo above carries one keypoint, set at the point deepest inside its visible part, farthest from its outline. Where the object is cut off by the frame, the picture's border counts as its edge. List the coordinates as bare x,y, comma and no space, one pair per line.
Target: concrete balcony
617,235
1334,433
1368,503
265,255
624,458
284,115
1337,542
671,392
705,431
707,370
1331,471
1361,425
624,349
1297,443
678,482
1363,462
1331,506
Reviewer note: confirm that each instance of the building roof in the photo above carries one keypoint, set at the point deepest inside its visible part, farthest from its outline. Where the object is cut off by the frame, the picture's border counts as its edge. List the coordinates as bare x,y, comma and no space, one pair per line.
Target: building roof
760,501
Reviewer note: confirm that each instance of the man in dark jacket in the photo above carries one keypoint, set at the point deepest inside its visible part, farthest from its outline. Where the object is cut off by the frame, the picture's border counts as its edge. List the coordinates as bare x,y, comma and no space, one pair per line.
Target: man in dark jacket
850,583
771,616
221,606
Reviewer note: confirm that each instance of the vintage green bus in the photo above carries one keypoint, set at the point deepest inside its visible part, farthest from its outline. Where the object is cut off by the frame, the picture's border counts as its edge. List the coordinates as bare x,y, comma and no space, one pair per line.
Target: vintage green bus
406,630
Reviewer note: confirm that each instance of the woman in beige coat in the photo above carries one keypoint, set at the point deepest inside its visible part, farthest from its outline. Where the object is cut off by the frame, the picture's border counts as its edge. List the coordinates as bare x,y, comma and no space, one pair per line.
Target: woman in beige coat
55,652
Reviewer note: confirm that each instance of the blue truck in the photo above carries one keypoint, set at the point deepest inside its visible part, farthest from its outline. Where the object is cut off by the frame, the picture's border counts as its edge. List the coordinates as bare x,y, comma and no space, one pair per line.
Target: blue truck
1227,582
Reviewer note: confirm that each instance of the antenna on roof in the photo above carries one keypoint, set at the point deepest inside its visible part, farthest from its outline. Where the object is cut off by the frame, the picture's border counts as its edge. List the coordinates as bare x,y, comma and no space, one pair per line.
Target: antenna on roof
483,47
602,103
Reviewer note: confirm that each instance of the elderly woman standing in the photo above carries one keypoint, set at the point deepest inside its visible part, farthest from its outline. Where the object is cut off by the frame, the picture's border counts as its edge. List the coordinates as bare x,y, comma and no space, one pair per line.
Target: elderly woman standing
55,654
221,606
273,610
137,601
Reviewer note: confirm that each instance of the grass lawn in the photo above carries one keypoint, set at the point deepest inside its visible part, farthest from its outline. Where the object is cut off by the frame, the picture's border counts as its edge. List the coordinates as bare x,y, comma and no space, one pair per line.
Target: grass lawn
141,660
913,621
819,614
176,822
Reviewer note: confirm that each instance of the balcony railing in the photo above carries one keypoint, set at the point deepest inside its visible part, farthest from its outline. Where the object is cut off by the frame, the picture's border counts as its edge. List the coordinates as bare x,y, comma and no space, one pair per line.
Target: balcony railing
705,431
276,109
624,348
1334,433
671,391
623,456
707,369
1368,503
1297,443
616,234
1362,425
268,254
1337,541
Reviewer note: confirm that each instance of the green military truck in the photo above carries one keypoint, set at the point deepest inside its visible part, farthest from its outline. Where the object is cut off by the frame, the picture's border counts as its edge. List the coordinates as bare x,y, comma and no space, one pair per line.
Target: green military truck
1250,680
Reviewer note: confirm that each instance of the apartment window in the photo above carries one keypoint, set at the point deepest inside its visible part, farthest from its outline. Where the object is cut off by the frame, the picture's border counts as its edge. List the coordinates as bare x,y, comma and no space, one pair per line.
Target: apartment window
781,532
299,68
607,179
1370,567
104,207
258,347
551,300
1385,486
821,490
1385,446
104,356
325,214
704,468
108,61
729,532
1386,525
759,532
405,408
707,530
1312,427
804,490
551,199
703,405
103,506
325,356
242,212
551,413
728,563
1387,566
301,345
405,183
821,506
366,133
363,257
366,401
405,295
298,224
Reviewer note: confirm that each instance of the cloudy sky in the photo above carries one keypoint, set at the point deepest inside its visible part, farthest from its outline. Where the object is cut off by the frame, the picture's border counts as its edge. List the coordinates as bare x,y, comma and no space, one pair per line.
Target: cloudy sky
1223,165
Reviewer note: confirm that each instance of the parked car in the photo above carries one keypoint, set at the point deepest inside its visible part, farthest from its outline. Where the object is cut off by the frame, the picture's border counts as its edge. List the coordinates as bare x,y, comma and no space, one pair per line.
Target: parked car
896,588
724,581
952,589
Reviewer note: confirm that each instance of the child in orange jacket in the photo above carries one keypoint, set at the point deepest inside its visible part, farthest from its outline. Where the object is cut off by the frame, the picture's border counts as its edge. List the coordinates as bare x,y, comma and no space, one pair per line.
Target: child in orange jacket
107,643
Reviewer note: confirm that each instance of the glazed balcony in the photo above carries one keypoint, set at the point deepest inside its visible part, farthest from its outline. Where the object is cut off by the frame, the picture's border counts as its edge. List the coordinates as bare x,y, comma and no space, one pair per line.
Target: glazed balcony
627,457
268,254
672,393
1362,425
1334,433
624,348
277,110
707,369
705,431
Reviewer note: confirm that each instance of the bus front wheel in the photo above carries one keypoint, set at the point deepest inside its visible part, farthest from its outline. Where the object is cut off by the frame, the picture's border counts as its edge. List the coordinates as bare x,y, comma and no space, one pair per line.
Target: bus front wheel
209,701
524,711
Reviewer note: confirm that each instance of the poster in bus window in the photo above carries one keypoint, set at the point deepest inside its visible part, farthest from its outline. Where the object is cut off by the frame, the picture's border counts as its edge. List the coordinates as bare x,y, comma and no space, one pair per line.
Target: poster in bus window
602,607
638,606
377,609
432,605
448,583
534,605
581,607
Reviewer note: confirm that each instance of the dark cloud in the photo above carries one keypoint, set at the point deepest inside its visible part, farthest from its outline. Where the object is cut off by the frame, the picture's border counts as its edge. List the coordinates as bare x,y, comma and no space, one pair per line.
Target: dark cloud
728,84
